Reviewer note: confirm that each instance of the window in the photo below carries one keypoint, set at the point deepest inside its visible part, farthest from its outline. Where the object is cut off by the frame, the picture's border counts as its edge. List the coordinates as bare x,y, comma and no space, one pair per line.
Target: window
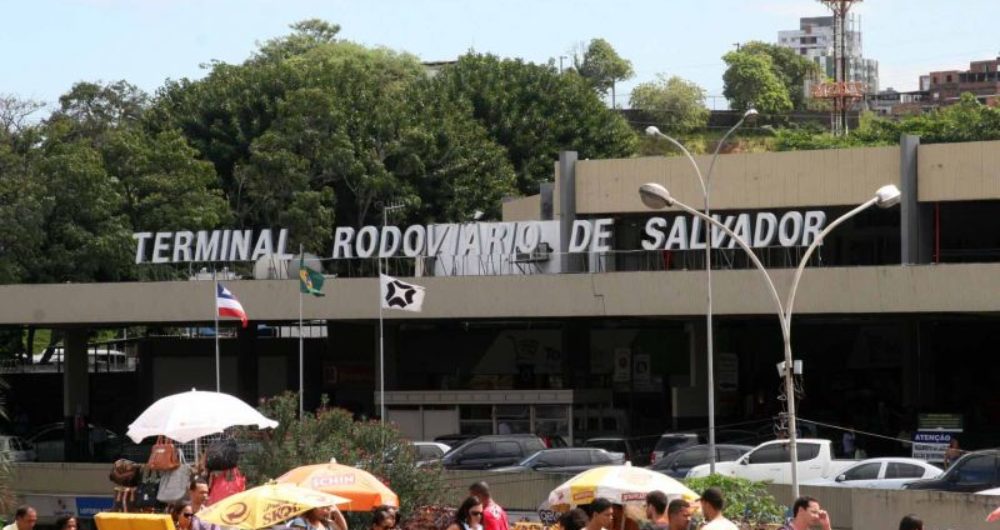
691,457
508,449
901,470
977,469
532,446
726,454
807,452
863,472
947,78
477,450
599,457
551,459
576,458
770,454
429,451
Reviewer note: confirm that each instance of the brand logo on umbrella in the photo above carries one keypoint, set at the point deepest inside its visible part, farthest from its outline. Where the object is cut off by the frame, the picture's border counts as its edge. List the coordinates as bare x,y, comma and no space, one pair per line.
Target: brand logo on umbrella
626,497
276,514
236,514
324,481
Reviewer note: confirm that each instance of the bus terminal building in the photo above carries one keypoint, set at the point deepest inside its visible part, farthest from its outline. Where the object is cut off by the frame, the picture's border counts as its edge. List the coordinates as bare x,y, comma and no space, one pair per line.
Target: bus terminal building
582,311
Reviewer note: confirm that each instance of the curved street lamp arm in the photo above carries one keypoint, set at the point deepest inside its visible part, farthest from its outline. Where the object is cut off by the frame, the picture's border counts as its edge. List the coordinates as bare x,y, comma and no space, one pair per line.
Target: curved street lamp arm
746,248
697,170
718,148
790,301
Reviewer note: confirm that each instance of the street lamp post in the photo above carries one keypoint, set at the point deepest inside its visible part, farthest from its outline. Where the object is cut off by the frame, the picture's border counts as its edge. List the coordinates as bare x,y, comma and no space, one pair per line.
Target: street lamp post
706,192
656,196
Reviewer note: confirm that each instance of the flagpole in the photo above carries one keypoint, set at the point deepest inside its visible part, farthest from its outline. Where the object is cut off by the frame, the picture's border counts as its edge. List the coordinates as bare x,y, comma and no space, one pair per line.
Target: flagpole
302,388
215,302
381,337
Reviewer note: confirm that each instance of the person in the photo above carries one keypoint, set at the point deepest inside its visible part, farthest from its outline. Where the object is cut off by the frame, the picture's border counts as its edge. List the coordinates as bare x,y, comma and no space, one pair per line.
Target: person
656,507
679,514
494,516
322,518
469,515
806,514
911,522
952,452
198,495
847,442
183,514
25,518
67,522
712,503
575,519
383,518
602,515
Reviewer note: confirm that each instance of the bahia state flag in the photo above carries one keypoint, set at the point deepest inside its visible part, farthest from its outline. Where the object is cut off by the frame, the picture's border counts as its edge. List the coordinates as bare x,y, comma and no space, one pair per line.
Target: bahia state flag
227,305
398,294
310,281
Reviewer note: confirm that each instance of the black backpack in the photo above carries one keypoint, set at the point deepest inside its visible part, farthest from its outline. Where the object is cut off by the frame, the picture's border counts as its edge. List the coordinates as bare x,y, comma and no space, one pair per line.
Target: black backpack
222,455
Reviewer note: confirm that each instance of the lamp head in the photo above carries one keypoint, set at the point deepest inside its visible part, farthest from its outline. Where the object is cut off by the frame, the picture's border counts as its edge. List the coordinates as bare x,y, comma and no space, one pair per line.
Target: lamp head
751,114
652,130
477,215
655,196
888,196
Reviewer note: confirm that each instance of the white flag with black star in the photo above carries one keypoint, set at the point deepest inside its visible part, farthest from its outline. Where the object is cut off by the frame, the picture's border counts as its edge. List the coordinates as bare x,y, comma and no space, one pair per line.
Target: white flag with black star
397,294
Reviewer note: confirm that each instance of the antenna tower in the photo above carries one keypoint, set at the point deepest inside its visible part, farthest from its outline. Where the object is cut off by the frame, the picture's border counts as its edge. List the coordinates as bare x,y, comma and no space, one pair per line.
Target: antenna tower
841,92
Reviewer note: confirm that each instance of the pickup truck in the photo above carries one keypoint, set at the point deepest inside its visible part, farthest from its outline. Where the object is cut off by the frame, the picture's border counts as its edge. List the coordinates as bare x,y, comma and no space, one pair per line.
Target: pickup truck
771,462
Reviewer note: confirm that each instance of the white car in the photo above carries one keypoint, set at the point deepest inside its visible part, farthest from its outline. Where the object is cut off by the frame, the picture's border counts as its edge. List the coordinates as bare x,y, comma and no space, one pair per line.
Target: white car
991,491
430,451
880,473
16,449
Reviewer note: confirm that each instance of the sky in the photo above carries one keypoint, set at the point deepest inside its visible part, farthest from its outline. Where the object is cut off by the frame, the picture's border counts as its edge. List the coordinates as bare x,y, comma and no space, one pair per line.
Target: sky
49,45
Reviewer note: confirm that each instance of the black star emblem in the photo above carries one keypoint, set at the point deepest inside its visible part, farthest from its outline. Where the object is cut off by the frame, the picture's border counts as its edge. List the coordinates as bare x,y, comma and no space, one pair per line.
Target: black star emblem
399,294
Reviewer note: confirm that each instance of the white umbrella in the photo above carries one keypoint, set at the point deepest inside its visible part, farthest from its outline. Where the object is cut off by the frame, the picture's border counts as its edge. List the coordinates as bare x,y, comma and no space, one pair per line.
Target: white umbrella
619,484
189,415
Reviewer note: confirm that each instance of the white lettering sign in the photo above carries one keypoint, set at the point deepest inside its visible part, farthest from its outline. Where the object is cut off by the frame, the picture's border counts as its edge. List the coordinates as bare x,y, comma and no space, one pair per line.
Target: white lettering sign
792,229
216,245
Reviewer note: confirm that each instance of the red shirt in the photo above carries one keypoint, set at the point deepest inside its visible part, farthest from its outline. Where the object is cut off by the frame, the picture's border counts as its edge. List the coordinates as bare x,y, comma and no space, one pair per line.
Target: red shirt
494,518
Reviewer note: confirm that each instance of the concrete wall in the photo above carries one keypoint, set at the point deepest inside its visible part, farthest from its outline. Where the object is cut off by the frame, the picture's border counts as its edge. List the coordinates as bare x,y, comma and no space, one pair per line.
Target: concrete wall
959,172
887,289
796,179
523,209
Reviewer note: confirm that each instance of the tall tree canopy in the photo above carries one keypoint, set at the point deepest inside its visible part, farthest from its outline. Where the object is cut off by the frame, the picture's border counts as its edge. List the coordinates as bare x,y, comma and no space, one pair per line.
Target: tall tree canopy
601,65
534,112
792,69
750,81
677,105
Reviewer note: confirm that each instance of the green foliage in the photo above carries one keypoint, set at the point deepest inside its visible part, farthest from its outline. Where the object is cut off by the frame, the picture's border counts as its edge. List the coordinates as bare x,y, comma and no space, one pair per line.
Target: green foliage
677,105
534,112
746,501
750,81
333,433
602,66
792,69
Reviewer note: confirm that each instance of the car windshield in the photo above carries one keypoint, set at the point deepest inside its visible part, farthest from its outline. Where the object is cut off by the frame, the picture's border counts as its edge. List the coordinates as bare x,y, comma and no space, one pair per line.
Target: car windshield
668,443
531,458
614,446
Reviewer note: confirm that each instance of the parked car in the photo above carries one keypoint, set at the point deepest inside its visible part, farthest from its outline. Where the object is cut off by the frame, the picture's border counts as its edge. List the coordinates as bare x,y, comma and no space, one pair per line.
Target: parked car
430,451
670,442
565,460
49,440
630,447
455,440
678,463
772,462
16,449
880,473
491,451
972,472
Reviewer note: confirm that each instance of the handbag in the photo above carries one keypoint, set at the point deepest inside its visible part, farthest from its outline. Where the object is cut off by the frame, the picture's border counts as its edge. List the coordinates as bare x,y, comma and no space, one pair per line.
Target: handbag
222,455
124,498
163,456
125,473
174,484
222,484
145,493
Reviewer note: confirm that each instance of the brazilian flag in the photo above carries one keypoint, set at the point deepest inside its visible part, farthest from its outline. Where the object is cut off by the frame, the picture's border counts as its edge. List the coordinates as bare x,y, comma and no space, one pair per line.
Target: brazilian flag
310,281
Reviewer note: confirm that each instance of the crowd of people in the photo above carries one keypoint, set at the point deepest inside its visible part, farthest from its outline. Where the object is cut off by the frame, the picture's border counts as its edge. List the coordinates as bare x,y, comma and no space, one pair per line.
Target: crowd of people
479,511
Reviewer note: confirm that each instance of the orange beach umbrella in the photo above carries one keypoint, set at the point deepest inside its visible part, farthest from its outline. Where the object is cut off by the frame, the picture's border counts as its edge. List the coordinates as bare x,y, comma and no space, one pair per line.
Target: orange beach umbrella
360,487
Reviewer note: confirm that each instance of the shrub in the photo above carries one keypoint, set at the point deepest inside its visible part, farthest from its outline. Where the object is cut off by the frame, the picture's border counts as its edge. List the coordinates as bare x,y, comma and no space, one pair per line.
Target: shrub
746,501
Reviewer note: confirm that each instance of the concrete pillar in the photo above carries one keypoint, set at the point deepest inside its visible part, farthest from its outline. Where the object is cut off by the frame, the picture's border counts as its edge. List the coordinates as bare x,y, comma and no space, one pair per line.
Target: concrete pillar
567,208
916,223
76,395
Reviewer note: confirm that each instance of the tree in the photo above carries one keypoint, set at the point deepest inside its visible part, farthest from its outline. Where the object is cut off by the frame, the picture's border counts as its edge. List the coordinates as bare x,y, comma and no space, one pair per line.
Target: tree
333,433
603,67
534,112
675,104
792,69
747,502
750,81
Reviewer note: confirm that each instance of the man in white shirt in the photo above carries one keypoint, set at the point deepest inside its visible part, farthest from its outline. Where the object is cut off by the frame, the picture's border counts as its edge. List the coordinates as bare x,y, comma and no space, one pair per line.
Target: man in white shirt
711,506
24,519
